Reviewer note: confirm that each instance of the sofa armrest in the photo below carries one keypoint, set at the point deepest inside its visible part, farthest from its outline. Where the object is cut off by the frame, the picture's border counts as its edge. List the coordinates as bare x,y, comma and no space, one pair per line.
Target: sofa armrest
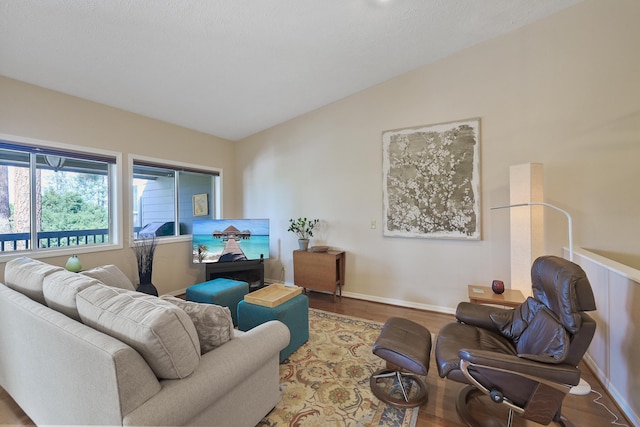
219,371
47,351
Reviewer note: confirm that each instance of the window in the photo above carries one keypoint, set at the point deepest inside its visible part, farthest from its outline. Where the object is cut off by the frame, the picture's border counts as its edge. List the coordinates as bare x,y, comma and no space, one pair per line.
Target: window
166,194
54,198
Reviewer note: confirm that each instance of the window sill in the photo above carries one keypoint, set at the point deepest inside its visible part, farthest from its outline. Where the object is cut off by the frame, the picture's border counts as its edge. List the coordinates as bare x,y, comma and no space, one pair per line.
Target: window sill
167,240
52,253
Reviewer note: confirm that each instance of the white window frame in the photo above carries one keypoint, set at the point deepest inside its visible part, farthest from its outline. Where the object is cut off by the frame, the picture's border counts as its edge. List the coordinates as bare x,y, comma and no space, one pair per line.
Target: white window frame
115,203
178,166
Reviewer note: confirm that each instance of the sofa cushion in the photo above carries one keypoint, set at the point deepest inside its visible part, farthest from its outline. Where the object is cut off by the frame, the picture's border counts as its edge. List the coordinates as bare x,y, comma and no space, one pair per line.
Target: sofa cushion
160,331
213,322
26,275
60,289
110,275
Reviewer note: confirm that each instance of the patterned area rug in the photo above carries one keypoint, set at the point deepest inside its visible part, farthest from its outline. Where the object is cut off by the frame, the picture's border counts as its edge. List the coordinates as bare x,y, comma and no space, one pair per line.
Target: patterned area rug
326,381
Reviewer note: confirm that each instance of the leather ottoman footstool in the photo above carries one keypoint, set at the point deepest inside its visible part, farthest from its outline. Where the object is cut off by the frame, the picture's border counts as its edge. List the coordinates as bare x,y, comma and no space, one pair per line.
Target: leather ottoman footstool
406,346
294,313
224,292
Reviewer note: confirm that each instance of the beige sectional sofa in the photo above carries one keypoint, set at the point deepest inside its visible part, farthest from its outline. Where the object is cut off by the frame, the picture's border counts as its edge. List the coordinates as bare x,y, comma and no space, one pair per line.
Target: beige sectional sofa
85,349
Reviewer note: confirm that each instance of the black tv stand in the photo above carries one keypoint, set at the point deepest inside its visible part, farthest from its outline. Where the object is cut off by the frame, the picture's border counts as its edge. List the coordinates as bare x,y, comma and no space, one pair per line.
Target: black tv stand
250,271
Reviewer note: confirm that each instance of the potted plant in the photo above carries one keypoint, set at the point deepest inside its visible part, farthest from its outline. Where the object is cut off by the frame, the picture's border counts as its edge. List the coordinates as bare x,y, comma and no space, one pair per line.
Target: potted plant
144,250
303,228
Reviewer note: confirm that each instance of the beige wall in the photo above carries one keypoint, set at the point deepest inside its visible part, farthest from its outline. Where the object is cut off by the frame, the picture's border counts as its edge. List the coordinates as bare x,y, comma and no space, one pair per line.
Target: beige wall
563,92
33,112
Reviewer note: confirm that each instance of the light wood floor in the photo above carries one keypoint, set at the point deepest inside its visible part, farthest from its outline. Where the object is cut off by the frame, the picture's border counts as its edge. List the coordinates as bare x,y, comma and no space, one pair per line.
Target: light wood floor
440,410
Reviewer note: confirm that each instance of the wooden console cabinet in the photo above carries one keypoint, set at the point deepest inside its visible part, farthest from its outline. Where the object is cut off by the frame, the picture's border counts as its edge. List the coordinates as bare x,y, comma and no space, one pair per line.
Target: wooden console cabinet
320,271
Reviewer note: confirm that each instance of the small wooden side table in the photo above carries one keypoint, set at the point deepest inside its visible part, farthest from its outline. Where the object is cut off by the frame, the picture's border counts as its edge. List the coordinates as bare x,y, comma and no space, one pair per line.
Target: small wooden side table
320,271
484,295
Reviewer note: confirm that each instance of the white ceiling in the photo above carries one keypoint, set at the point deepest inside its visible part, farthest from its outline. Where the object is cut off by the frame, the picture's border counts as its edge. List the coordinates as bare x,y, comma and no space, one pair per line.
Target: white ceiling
232,68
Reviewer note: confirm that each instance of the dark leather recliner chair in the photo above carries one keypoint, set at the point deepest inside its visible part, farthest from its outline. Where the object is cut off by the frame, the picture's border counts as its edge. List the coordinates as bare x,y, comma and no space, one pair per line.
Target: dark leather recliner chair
525,358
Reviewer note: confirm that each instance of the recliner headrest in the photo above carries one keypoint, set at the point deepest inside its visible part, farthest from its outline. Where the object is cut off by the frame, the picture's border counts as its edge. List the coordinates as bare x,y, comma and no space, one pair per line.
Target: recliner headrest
563,287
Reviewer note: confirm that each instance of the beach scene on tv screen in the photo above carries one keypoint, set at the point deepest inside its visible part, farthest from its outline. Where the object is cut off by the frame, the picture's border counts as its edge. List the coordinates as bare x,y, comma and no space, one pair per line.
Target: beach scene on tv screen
229,240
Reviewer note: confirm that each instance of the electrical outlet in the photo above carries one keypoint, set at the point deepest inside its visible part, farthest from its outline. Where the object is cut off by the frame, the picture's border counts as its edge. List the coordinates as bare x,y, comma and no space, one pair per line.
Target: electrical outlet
373,224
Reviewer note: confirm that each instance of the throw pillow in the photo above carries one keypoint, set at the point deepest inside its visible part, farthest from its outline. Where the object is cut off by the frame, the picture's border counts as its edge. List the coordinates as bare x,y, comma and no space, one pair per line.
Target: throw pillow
160,331
26,275
60,289
213,322
110,275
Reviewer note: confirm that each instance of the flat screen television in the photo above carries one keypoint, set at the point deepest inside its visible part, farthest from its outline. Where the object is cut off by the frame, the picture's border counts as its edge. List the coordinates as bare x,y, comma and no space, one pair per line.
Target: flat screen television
230,240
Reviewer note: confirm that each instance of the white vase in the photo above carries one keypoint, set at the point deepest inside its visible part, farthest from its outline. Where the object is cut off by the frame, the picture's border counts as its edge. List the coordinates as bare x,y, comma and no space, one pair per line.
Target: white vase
304,244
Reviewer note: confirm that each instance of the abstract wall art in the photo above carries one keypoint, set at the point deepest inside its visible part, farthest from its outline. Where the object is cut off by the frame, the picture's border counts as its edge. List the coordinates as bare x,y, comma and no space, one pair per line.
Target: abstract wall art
431,181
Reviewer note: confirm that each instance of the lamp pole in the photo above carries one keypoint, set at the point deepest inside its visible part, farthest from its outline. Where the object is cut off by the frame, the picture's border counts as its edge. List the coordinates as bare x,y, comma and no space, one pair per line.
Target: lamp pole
569,220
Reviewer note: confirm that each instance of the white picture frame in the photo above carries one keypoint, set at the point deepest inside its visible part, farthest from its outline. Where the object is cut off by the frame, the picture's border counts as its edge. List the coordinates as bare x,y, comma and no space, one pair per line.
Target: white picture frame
200,204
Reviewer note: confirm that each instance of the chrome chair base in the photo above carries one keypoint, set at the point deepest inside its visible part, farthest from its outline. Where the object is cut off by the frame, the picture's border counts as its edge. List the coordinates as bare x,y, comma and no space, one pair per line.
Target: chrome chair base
410,397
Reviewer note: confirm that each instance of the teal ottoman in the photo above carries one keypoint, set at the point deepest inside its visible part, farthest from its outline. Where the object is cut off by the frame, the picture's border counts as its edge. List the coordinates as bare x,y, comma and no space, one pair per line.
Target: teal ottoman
224,292
293,313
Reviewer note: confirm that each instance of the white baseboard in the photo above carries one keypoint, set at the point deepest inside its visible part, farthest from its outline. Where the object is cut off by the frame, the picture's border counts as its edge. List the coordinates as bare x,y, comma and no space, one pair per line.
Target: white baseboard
365,297
400,303
618,397
390,301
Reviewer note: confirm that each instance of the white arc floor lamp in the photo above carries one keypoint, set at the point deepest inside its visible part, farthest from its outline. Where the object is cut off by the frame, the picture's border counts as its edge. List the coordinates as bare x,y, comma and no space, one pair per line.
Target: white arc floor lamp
569,220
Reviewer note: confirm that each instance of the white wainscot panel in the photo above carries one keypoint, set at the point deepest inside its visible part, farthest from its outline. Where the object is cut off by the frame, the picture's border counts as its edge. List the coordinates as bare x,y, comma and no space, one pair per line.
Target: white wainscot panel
614,354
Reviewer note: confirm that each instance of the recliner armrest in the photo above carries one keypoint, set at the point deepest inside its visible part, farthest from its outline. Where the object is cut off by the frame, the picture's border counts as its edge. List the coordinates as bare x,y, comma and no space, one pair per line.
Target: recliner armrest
560,373
478,315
